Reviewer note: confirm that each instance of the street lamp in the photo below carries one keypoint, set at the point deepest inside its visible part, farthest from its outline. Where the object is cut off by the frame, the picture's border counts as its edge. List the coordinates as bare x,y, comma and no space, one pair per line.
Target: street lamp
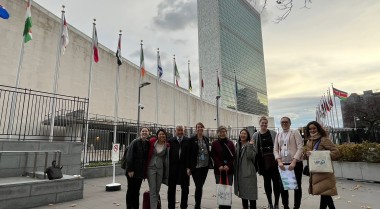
139,106
355,119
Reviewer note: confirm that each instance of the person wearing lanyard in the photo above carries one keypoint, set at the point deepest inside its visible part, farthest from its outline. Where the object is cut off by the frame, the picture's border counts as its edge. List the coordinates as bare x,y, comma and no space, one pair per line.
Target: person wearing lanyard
200,161
288,150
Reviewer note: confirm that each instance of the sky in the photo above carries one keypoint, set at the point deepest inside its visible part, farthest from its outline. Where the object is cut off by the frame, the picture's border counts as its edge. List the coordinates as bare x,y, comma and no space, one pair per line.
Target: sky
328,42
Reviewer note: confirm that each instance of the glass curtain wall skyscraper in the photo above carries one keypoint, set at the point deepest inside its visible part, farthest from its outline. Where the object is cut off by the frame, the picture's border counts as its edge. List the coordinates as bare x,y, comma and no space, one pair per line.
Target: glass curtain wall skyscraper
230,39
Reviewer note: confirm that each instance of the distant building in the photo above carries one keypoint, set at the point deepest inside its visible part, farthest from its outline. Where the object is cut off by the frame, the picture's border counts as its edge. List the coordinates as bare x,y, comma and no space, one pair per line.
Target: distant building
230,39
358,108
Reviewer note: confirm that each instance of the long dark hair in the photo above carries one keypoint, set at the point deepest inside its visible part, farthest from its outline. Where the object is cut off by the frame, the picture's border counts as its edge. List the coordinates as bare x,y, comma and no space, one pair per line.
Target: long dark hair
248,135
321,131
159,130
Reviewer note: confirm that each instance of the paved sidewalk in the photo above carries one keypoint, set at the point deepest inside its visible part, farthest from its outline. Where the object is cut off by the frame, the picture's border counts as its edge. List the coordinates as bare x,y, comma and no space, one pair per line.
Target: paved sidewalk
352,195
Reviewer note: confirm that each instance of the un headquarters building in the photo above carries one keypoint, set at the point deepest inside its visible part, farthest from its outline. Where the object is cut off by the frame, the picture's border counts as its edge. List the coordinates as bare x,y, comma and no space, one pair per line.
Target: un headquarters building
230,40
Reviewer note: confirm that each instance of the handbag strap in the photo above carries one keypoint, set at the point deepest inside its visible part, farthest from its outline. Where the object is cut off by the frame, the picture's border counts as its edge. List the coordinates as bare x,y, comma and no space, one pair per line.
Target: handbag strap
220,178
228,149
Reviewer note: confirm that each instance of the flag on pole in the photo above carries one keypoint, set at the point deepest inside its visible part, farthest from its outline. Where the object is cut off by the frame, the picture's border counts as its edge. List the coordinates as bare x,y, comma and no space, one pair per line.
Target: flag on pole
28,23
190,87
95,45
342,95
3,12
176,74
160,72
330,100
327,107
202,84
218,86
142,64
118,51
65,35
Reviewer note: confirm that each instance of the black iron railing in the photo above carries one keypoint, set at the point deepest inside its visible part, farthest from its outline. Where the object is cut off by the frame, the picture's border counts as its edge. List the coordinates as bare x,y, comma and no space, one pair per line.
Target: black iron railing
27,114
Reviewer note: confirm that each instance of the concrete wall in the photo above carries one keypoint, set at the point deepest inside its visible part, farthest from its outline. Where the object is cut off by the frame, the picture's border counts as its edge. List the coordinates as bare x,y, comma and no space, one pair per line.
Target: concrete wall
13,164
39,64
33,193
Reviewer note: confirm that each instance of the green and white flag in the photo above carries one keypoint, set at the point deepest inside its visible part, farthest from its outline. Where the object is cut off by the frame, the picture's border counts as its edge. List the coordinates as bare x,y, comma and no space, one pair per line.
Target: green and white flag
28,23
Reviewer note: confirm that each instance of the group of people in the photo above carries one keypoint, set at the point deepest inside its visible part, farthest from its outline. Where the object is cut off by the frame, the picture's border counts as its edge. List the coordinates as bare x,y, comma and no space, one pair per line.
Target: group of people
173,161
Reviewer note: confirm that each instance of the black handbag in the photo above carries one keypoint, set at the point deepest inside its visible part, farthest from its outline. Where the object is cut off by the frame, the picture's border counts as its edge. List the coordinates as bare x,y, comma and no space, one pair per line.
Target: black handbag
54,172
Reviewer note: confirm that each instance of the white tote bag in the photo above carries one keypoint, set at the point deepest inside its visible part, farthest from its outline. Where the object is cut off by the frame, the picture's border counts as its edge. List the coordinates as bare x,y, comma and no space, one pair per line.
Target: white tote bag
288,178
223,193
320,162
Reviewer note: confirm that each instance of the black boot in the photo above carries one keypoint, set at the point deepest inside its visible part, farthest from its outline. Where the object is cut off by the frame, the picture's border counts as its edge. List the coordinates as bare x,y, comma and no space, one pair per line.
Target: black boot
270,206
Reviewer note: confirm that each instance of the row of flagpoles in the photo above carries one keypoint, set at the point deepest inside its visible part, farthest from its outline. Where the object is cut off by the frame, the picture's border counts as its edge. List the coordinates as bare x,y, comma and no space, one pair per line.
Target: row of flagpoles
327,106
63,41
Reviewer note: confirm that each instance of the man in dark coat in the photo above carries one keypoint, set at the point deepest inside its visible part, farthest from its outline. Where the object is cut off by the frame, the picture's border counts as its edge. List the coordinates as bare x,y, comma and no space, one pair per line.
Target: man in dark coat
179,168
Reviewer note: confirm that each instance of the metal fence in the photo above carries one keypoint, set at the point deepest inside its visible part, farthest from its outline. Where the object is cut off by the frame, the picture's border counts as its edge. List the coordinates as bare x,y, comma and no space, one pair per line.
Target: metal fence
27,114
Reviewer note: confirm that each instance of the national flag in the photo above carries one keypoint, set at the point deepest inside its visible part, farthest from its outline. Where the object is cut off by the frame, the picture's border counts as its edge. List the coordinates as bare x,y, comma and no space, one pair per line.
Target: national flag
95,45
218,86
28,23
342,95
142,64
3,12
160,71
202,84
176,74
190,87
65,35
118,51
325,103
330,100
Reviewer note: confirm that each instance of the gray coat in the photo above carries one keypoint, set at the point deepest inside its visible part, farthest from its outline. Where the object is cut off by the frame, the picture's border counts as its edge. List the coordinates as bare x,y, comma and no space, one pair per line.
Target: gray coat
245,179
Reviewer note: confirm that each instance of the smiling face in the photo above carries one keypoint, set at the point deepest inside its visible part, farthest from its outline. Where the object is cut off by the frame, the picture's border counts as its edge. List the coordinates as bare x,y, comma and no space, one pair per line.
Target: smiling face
161,137
285,123
264,125
313,130
199,129
179,131
222,133
243,136
144,133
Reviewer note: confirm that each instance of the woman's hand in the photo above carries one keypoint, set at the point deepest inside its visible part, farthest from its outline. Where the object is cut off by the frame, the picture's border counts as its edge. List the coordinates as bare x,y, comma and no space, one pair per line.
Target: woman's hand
130,174
308,153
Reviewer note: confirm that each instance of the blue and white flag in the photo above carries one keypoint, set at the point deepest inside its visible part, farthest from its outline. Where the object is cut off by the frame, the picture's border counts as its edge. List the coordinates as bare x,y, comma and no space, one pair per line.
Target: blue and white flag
3,13
160,72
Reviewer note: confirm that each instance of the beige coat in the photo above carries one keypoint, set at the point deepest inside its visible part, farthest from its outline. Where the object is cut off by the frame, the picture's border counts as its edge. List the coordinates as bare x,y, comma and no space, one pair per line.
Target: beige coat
295,146
323,183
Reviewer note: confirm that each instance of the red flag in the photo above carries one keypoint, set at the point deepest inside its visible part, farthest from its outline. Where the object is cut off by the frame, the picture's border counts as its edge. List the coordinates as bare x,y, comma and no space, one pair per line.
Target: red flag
95,45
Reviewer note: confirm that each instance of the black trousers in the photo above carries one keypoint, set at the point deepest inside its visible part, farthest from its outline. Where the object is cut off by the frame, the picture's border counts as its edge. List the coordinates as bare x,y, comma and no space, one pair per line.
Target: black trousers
326,201
171,195
269,178
199,177
252,203
297,193
133,193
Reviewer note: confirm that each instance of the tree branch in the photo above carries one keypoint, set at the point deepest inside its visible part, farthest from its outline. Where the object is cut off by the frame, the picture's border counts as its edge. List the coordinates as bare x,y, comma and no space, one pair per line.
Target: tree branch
285,5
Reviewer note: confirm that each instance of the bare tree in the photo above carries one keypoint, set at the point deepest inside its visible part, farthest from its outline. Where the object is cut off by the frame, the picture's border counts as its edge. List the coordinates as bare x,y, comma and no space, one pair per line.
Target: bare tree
284,5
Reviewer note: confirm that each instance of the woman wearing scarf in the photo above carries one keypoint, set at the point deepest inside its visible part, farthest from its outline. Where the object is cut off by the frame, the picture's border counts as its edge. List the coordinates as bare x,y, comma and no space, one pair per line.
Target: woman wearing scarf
323,184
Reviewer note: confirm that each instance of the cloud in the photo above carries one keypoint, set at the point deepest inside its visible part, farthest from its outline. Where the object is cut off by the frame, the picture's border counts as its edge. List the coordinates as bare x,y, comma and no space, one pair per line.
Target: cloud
176,15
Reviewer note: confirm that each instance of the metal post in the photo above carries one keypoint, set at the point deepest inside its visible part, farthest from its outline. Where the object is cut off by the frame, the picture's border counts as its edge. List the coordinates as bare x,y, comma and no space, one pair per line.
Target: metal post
217,111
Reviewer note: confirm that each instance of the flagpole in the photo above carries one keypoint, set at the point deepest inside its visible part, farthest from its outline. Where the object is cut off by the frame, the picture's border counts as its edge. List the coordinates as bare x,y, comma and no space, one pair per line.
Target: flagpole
89,91
116,109
158,57
217,100
56,76
236,102
174,84
14,94
336,112
139,91
188,96
201,91
331,109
